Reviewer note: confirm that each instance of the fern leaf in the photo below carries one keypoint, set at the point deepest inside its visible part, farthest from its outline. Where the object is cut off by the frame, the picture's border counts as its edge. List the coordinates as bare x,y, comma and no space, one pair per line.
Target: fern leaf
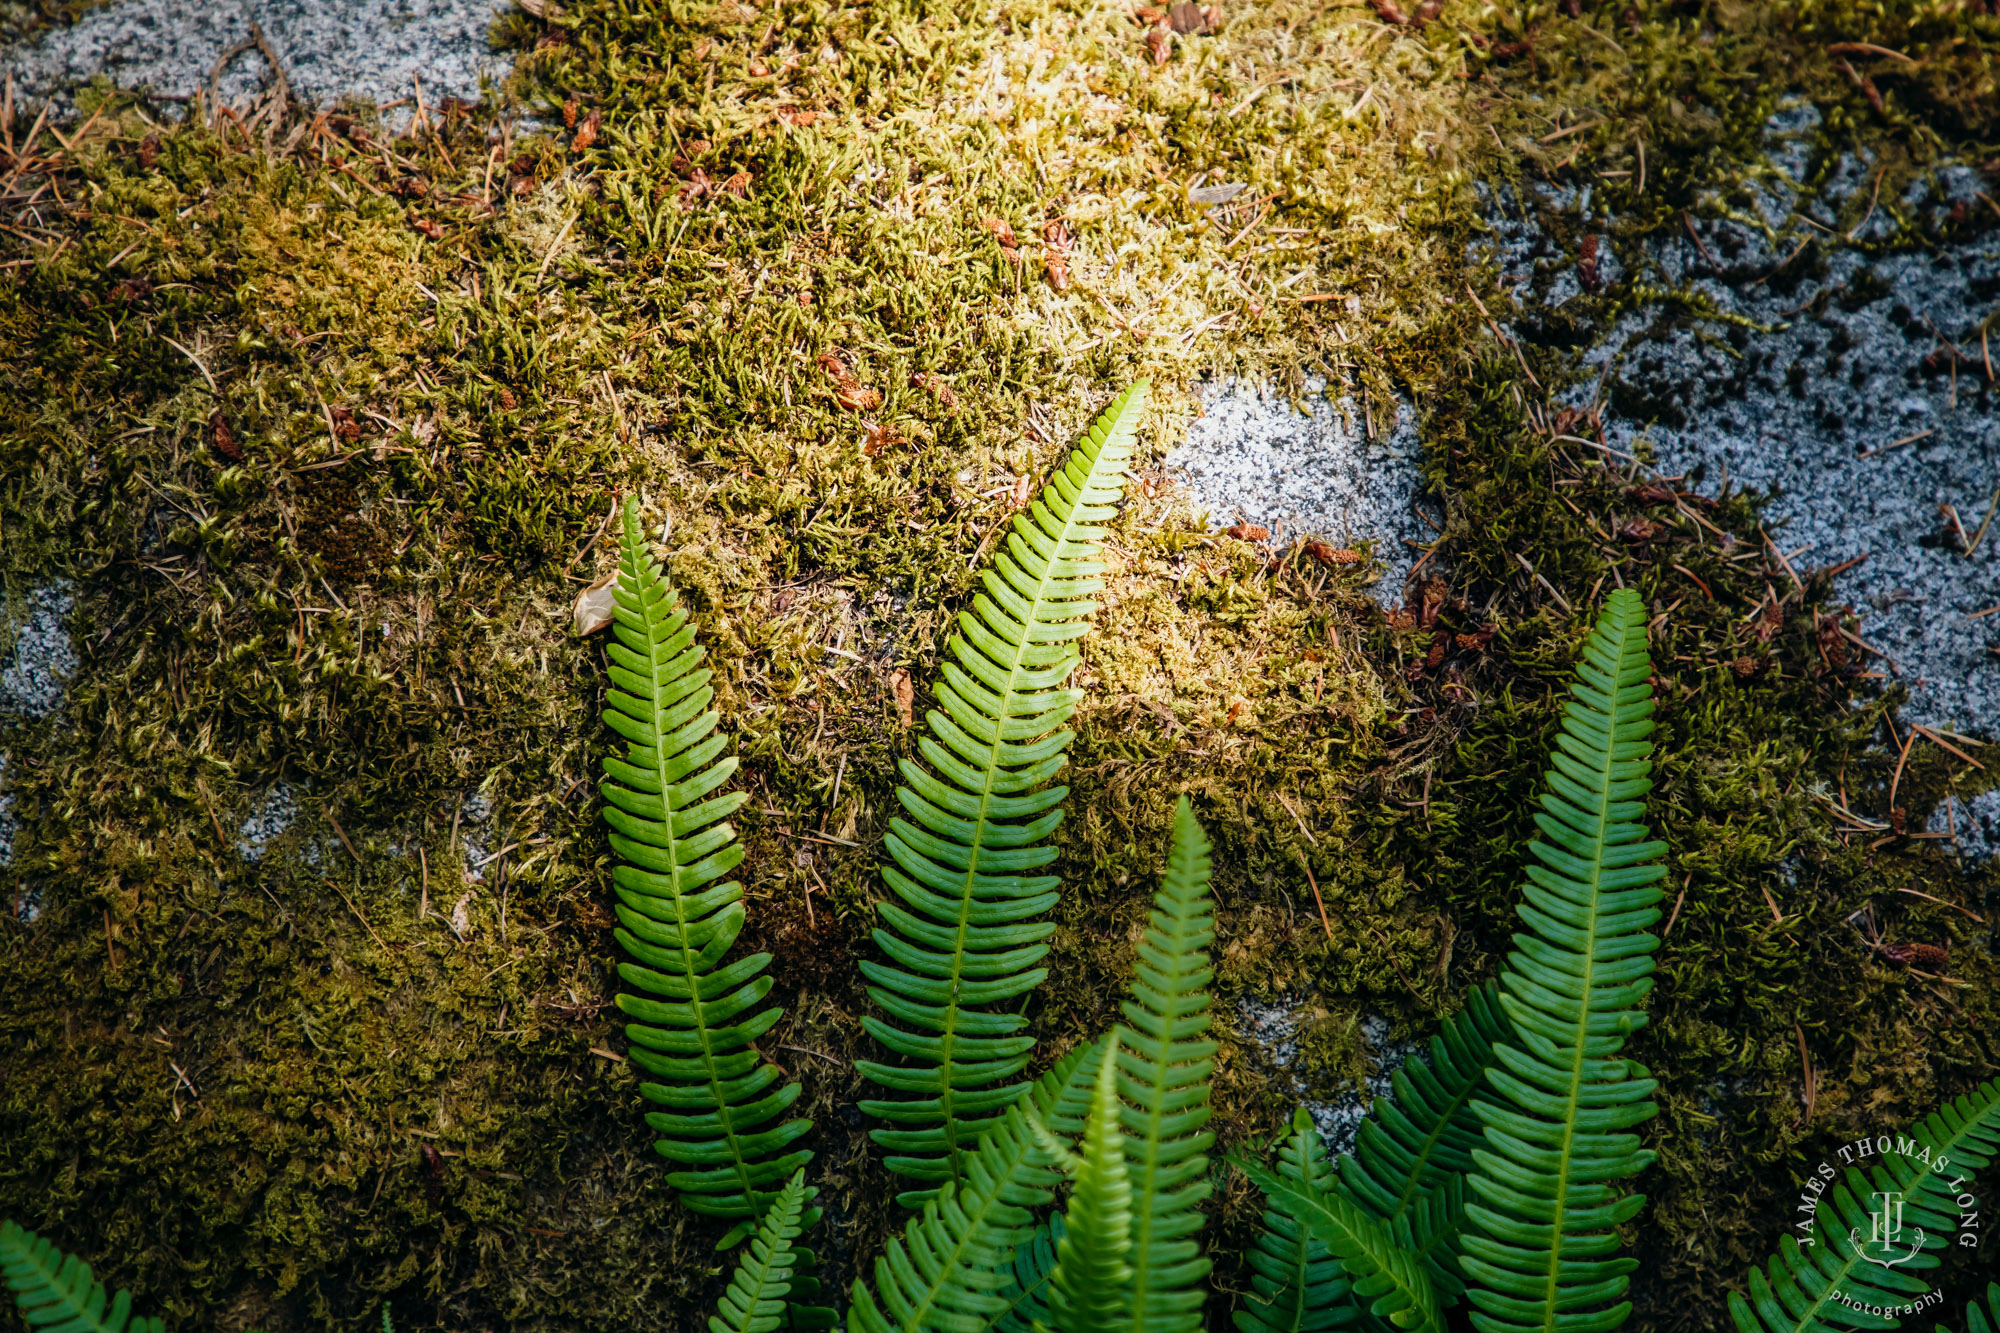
1424,1131
1297,1285
1814,1283
57,1293
1539,1250
754,1301
1982,1317
697,1015
1164,1065
1388,1281
1026,1295
961,933
1091,1289
947,1271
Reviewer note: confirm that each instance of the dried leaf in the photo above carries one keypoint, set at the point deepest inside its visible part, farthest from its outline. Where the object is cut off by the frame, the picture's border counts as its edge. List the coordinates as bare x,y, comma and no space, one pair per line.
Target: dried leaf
1587,272
738,185
587,134
905,695
934,383
221,437
593,609
759,70
461,919
1160,41
1024,490
1247,532
1184,16
1640,529
429,227
1055,253
1002,232
858,397
149,151
877,438
344,424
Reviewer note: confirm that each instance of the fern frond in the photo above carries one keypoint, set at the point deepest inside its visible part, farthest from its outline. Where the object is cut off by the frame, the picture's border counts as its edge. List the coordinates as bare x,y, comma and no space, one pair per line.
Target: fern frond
961,933
1539,1250
1164,1064
754,1301
947,1271
1297,1285
1424,1131
57,1293
1982,1316
1027,1291
698,1015
1388,1281
1091,1288
1813,1283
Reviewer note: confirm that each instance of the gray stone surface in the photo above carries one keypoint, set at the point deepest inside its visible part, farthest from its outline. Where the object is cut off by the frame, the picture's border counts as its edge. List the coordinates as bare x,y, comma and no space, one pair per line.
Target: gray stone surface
1274,1028
369,50
35,673
1974,824
265,825
1253,456
1795,376
9,825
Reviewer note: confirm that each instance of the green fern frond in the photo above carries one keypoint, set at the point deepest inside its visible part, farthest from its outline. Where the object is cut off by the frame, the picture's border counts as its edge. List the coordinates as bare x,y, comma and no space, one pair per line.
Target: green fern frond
1389,1281
1982,1317
1164,1064
754,1301
948,1269
57,1293
1027,1291
1296,1284
698,1015
1814,1282
1091,1289
1539,1250
1424,1131
962,933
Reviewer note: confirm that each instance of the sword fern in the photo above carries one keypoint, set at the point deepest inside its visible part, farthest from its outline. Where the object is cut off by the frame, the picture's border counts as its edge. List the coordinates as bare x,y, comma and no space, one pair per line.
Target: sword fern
1297,1285
696,1015
58,1294
1539,1250
960,933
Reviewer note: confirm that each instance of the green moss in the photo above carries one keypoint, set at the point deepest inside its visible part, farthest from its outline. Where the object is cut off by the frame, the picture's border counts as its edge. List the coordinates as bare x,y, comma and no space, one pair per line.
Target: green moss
436,399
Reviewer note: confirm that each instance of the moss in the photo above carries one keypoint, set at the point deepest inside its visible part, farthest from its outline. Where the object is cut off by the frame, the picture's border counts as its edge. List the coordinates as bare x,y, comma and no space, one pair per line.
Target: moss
273,1093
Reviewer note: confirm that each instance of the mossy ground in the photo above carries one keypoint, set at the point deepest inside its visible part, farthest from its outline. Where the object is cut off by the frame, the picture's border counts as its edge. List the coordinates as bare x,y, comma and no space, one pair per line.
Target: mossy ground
321,423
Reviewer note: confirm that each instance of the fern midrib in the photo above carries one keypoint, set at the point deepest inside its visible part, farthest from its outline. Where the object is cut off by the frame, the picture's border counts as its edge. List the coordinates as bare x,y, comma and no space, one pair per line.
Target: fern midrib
1413,1186
1143,1193
1552,1279
949,1037
673,850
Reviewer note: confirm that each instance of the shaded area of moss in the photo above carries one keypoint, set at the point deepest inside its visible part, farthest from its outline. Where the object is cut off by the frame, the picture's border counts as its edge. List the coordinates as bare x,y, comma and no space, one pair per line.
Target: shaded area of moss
751,277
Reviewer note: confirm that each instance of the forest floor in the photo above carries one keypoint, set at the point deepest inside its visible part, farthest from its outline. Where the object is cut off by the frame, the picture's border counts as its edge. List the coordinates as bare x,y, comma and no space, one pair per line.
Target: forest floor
315,397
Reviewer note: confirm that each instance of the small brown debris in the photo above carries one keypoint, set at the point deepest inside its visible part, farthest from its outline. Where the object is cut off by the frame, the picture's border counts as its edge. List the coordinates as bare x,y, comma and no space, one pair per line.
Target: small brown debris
1147,16
1746,666
1587,272
1512,50
875,438
1247,532
1185,17
506,399
858,397
1055,253
1573,8
1002,232
586,135
569,114
1024,491
344,424
1160,41
149,151
1427,600
798,117
429,227
1640,529
1926,956
1331,555
1865,84
759,70
523,165
1478,640
412,187
1832,643
1652,493
131,289
934,384
1435,657
905,695
738,185
222,437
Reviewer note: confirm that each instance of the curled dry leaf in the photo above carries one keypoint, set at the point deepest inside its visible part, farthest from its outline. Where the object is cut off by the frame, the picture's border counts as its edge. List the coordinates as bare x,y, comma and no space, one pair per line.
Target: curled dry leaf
878,438
1055,253
934,383
738,185
1247,532
1024,491
1160,41
586,135
905,695
594,604
223,439
1331,555
429,227
858,397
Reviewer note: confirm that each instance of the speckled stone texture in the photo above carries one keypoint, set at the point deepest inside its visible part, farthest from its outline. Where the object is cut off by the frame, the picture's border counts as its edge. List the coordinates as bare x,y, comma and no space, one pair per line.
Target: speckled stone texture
366,50
1329,472
1820,378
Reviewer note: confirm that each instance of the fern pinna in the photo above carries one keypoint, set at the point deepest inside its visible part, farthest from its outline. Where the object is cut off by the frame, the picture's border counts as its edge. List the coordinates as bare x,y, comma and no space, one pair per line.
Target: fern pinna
697,1014
1296,1285
1826,1278
961,933
57,1293
1539,1250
